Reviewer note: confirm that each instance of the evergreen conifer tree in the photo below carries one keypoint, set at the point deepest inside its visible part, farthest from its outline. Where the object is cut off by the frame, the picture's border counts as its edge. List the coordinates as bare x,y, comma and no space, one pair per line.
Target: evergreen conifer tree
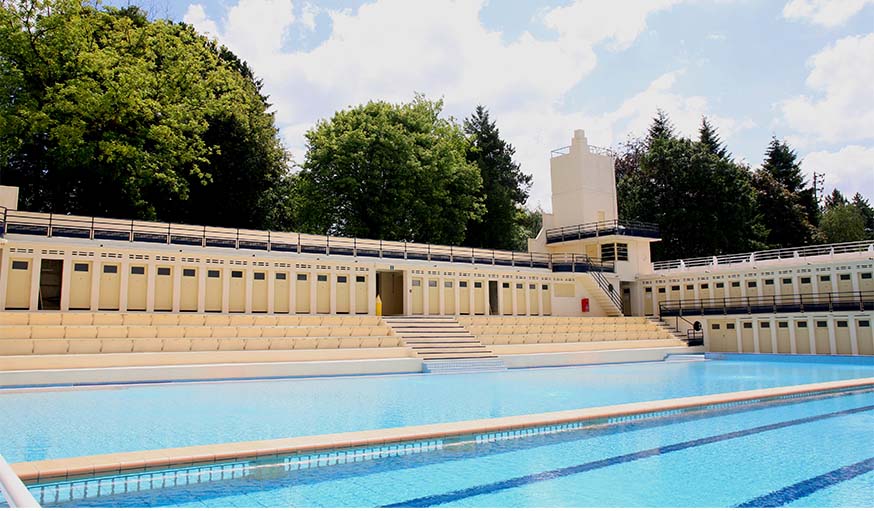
709,138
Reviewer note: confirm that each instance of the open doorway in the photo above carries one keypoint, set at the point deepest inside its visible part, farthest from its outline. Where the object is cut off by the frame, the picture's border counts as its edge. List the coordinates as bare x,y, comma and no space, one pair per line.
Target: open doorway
390,289
50,274
494,308
625,287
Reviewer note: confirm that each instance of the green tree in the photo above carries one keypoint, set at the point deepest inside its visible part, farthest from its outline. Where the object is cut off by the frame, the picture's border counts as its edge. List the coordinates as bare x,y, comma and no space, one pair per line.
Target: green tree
836,198
505,186
867,212
843,223
709,138
529,222
704,203
104,112
789,209
389,171
661,127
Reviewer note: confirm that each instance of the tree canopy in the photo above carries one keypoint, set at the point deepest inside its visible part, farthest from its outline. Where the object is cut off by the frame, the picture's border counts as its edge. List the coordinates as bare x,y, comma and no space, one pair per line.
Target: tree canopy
105,112
389,171
505,186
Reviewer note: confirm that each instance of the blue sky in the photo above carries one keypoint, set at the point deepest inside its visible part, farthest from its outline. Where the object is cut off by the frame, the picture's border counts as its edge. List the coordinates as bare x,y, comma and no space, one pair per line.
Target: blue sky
799,69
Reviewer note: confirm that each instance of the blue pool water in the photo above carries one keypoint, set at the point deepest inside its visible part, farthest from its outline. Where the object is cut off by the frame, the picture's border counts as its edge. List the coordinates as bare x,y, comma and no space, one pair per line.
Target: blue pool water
36,425
806,453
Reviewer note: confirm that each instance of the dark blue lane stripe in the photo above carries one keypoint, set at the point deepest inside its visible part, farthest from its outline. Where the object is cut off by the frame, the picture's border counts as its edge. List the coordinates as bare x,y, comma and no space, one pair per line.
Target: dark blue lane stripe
792,493
444,498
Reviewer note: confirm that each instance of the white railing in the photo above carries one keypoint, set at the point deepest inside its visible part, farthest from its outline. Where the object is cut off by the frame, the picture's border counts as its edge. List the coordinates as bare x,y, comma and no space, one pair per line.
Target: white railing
766,255
14,491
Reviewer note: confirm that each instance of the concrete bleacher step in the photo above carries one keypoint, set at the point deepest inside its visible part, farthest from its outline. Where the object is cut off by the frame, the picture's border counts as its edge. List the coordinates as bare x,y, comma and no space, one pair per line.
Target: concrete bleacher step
464,366
442,339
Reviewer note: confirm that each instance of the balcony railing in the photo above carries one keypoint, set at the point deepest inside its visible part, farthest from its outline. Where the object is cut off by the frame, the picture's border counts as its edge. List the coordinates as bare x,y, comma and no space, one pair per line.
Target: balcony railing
766,255
771,304
93,228
605,228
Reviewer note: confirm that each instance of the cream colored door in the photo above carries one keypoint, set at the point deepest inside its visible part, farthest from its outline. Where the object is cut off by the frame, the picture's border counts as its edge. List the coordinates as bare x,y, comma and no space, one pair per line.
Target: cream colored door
323,294
547,299
433,297
533,300
237,291
259,291
417,296
506,299
164,289
479,297
302,294
18,284
463,297
137,288
448,297
362,304
190,290
281,293
80,286
213,290
342,291
110,287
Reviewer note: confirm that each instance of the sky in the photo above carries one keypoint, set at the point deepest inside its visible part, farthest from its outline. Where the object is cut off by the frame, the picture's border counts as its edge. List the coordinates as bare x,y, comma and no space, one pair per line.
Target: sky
800,70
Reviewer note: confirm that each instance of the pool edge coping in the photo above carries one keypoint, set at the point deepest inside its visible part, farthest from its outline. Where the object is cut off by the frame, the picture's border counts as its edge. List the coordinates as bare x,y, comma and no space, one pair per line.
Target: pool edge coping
135,461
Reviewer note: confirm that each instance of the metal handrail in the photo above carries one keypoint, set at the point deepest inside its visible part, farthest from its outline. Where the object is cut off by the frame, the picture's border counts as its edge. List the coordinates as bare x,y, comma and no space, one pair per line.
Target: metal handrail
769,304
14,491
766,255
95,228
602,228
607,288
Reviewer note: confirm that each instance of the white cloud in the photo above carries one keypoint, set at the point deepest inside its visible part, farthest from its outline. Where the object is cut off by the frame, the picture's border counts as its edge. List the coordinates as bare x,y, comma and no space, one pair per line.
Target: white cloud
196,15
308,16
850,169
843,110
828,13
387,49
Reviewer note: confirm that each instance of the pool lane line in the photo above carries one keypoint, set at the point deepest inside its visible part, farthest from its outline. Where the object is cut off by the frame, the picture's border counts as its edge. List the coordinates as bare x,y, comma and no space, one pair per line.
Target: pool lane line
485,489
66,468
810,486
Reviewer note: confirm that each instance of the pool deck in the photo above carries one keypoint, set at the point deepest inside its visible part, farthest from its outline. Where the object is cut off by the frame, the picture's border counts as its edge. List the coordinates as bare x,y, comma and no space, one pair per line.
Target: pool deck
127,462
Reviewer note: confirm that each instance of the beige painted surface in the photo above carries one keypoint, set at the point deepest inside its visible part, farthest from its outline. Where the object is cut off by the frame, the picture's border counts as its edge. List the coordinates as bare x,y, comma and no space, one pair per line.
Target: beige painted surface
110,287
189,290
417,295
281,292
164,288
342,291
18,286
449,297
362,297
9,197
237,290
214,291
302,293
80,285
260,289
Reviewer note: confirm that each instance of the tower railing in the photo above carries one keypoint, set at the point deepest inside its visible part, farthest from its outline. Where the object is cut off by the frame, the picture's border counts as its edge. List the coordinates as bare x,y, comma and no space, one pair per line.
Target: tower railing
602,228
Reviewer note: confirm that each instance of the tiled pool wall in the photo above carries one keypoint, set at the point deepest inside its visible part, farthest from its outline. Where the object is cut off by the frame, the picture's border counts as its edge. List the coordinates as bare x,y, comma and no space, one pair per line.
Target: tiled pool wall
67,490
797,358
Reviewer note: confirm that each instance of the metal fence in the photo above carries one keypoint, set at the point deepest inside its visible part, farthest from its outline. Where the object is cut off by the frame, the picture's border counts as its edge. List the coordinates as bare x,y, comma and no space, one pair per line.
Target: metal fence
604,228
771,304
94,228
766,255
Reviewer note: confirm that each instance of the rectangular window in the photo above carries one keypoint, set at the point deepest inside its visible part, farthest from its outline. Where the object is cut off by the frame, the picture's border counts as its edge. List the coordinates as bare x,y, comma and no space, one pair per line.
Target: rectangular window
821,324
236,274
532,286
675,288
805,280
432,283
21,265
259,275
622,251
716,326
447,284
705,286
519,286
690,287
864,323
765,324
301,276
866,275
752,283
788,281
189,272
110,268
505,285
417,283
720,285
545,287
802,324
648,290
825,278
782,324
463,283
608,252
845,276
735,284
137,270
341,279
80,267
769,282
213,274
748,324
842,324
321,278
165,272
477,285
730,326
360,278
662,290
280,276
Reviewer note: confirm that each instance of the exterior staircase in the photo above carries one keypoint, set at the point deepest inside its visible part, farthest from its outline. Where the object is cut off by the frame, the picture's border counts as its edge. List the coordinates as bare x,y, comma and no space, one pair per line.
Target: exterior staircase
596,285
443,344
681,336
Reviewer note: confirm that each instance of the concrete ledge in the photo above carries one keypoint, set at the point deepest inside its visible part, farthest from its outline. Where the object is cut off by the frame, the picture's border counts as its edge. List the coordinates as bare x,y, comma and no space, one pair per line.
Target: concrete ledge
143,374
604,355
162,458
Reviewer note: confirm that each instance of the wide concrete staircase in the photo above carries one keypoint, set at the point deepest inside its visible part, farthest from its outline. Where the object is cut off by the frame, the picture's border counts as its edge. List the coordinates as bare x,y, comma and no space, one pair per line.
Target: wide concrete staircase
443,344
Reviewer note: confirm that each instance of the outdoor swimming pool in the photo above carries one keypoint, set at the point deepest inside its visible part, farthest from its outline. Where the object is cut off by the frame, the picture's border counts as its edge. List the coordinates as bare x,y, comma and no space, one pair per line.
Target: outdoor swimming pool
42,424
810,452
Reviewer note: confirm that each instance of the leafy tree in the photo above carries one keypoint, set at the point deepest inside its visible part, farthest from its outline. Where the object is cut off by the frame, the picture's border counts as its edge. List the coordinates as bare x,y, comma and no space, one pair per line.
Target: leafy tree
529,222
866,211
836,198
709,138
104,112
704,203
389,171
788,208
843,223
505,186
